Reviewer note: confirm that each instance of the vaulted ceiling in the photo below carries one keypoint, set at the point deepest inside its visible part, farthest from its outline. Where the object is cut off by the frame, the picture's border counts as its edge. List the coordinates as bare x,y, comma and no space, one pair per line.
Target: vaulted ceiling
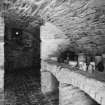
83,21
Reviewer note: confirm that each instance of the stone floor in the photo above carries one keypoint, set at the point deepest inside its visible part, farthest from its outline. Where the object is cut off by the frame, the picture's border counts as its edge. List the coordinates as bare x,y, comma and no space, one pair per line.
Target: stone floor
22,87
70,95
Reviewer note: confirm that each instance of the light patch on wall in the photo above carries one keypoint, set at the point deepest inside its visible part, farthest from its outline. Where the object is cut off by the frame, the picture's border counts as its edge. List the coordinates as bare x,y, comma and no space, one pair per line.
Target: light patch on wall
51,47
50,44
50,31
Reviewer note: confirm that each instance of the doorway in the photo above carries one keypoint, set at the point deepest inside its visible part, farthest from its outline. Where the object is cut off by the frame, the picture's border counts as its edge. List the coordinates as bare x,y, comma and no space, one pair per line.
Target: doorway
22,64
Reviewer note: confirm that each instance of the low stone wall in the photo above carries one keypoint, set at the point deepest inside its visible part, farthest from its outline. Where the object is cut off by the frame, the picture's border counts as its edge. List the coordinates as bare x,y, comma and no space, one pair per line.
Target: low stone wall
66,75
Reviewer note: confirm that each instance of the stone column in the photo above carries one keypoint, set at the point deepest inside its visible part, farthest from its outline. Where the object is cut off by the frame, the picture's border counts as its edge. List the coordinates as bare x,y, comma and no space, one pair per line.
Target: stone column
48,82
50,41
1,61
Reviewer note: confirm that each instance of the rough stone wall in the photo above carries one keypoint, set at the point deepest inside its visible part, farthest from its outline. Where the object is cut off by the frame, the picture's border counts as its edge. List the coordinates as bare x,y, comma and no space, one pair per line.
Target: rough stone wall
24,55
53,41
1,61
82,21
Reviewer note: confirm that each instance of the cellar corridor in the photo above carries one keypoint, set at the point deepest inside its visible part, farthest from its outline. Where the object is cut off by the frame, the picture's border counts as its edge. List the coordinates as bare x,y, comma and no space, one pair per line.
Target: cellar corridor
52,52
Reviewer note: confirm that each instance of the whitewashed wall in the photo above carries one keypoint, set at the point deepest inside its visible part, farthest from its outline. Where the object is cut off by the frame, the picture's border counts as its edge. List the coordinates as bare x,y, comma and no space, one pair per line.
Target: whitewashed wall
53,41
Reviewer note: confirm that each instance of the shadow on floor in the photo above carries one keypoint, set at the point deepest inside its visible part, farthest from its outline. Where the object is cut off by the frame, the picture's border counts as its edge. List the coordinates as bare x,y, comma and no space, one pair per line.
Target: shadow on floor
22,87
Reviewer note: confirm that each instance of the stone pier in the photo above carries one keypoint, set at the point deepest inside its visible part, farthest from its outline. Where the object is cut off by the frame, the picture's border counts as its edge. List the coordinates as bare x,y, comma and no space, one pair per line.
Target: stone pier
1,61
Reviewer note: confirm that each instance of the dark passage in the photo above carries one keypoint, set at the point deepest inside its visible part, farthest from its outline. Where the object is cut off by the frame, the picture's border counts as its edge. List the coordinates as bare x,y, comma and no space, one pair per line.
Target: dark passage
22,69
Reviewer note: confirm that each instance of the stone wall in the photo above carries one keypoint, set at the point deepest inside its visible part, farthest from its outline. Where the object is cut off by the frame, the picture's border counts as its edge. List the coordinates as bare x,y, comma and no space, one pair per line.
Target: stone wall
26,54
53,41
1,61
82,22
